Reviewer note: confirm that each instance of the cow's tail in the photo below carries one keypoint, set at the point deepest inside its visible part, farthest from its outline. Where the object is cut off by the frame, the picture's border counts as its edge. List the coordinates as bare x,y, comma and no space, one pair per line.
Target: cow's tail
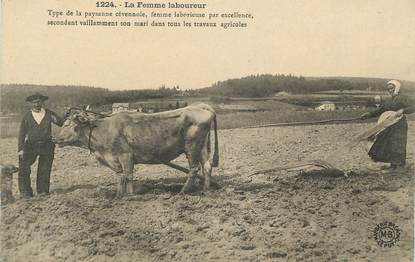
215,161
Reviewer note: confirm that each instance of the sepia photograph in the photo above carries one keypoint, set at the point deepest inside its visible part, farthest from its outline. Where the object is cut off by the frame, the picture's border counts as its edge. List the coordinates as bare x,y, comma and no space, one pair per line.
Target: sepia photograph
232,130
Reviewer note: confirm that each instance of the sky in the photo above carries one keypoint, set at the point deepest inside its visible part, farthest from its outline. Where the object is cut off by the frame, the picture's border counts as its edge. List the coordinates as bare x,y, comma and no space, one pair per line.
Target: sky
365,38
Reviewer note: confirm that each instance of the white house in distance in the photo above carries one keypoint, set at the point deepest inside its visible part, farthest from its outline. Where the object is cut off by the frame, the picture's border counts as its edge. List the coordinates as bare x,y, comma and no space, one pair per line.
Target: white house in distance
326,106
378,100
120,107
282,93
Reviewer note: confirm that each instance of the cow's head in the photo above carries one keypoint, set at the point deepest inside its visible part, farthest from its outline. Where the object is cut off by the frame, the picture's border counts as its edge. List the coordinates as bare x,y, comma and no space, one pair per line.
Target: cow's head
71,130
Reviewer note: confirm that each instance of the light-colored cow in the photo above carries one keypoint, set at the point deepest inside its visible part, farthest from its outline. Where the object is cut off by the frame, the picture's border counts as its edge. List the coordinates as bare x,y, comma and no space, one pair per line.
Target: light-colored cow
125,139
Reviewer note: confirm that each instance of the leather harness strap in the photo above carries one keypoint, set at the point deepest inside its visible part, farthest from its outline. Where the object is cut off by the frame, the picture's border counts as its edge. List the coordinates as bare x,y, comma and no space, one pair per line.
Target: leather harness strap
91,128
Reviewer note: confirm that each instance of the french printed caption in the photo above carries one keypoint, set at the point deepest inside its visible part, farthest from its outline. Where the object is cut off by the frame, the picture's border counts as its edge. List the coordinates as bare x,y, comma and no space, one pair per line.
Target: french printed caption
168,15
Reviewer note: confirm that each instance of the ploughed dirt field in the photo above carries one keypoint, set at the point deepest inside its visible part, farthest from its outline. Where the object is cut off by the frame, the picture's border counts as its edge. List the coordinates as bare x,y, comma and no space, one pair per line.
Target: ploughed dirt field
277,216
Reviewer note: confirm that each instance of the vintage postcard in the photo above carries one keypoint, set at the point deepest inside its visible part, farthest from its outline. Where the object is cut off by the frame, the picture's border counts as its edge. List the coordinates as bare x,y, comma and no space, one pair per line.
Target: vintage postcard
207,130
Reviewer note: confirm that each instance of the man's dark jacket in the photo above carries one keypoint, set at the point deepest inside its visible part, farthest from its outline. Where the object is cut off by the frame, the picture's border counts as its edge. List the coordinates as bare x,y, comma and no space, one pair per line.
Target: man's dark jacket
32,132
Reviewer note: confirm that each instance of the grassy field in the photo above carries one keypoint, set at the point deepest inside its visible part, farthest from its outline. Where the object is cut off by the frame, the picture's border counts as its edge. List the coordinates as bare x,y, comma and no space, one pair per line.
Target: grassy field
246,119
10,126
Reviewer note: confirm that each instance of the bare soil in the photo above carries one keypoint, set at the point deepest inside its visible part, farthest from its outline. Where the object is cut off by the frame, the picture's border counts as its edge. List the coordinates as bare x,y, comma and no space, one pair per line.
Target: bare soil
277,216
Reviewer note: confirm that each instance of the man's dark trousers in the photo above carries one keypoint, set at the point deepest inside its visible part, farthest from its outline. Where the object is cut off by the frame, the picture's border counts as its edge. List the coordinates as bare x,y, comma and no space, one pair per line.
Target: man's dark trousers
45,151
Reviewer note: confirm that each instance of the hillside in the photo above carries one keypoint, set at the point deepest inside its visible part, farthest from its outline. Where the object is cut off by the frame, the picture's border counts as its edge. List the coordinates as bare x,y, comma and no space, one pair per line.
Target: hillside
13,96
373,82
269,85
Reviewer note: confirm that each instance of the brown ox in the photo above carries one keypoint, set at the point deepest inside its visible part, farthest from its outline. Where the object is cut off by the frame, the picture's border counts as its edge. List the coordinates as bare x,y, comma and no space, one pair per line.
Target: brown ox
126,138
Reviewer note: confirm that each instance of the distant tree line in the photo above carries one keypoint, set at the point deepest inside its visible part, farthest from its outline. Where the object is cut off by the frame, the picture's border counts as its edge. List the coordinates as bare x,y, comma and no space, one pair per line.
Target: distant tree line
268,85
12,97
134,95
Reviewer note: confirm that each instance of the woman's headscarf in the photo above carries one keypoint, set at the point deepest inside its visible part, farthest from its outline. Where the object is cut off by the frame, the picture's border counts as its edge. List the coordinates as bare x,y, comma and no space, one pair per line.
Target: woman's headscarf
397,86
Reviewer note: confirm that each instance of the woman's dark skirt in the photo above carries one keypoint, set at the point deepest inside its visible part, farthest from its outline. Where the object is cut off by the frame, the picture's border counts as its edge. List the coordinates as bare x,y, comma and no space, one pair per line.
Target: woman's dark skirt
390,144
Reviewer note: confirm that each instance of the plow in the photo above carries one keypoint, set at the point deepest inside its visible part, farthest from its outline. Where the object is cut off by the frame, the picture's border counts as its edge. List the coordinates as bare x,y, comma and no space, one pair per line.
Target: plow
305,167
386,120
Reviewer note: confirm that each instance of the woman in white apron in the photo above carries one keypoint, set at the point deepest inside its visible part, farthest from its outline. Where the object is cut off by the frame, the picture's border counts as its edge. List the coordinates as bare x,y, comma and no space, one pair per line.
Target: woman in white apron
390,144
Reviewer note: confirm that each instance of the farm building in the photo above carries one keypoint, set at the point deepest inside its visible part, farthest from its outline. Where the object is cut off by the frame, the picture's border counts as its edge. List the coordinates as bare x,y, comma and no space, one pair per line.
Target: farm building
378,100
326,106
282,93
120,107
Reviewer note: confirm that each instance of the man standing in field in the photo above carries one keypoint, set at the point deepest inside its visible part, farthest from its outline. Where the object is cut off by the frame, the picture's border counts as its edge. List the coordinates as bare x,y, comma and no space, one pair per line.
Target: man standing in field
35,140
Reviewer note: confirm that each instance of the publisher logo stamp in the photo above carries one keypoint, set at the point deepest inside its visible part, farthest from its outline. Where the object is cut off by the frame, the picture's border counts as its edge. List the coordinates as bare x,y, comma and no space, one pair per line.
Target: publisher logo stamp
387,234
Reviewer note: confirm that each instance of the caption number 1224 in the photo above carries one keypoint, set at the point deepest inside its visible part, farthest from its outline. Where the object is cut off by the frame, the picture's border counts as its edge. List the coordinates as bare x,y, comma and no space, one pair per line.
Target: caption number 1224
104,4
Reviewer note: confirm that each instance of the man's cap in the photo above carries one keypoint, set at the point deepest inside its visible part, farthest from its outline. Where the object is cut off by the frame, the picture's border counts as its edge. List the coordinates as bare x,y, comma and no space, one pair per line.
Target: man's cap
36,96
